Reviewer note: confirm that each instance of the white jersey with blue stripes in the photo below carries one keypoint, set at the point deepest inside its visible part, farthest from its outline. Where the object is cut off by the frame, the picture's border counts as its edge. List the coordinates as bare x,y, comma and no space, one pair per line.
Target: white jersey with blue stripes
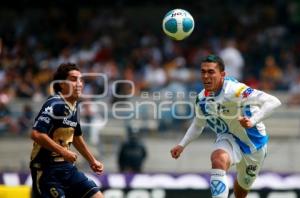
221,111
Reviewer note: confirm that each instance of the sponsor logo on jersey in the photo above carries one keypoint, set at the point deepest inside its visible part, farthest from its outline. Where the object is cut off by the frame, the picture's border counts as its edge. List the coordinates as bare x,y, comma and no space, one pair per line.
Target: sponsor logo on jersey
44,119
217,124
69,122
247,92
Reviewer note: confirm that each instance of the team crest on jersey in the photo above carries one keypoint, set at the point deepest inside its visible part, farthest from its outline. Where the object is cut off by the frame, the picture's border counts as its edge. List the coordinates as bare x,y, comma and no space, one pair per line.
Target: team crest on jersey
48,110
251,169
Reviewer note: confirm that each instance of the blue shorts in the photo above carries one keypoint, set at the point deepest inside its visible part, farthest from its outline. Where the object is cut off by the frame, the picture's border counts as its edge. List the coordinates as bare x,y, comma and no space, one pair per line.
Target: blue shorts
61,181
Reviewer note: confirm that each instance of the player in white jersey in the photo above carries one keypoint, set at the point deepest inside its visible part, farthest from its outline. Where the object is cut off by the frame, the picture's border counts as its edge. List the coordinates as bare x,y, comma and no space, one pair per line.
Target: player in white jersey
234,112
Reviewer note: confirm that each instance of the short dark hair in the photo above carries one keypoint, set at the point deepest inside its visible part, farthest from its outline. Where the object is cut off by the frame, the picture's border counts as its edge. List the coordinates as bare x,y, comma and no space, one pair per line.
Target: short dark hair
214,59
62,73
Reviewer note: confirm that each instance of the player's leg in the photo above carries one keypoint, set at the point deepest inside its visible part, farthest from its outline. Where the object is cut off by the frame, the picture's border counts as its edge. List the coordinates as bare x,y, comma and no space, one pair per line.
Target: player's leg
97,195
81,186
239,192
35,175
220,161
247,171
49,185
45,186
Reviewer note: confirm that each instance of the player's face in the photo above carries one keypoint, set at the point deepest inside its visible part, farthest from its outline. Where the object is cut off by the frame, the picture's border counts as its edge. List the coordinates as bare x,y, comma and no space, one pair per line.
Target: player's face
74,87
212,77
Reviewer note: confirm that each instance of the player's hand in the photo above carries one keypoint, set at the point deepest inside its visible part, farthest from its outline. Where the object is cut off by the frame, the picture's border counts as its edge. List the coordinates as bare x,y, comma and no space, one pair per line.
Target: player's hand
245,122
176,151
97,167
69,156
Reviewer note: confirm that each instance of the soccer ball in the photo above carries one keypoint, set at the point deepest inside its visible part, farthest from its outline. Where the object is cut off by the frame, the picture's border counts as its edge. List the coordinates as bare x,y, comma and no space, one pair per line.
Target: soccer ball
178,24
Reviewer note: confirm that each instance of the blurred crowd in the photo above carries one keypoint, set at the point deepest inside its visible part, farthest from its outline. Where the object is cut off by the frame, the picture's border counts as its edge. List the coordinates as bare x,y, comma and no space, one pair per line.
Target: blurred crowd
258,41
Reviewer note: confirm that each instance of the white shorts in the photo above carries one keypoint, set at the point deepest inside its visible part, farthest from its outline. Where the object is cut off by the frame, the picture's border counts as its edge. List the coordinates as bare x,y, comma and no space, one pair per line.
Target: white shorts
247,165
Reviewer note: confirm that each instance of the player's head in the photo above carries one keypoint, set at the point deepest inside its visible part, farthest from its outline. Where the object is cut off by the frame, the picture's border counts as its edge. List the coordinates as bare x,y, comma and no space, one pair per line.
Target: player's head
212,72
67,80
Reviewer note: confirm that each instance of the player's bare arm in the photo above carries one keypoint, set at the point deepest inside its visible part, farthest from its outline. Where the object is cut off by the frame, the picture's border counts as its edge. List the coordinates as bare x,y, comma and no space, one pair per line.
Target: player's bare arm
83,149
45,141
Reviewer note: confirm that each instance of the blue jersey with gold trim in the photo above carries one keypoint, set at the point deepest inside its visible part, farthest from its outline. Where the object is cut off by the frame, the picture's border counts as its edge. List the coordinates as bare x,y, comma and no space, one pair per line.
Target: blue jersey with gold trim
58,119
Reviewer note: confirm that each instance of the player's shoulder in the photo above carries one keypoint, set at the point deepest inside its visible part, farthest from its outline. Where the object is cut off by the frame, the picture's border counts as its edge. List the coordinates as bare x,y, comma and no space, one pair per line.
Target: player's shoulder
53,105
233,87
54,100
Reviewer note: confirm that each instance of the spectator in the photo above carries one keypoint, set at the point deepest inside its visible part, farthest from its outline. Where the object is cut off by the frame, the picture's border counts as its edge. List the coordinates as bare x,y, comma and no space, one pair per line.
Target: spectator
92,120
294,93
155,76
233,59
132,154
26,119
271,74
7,124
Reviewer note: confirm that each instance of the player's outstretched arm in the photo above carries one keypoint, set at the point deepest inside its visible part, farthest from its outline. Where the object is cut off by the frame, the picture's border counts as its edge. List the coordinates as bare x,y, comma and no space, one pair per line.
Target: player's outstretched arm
192,133
83,149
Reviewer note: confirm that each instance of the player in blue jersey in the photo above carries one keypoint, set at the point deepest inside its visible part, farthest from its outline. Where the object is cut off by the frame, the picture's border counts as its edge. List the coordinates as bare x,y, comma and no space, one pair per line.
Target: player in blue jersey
234,112
55,129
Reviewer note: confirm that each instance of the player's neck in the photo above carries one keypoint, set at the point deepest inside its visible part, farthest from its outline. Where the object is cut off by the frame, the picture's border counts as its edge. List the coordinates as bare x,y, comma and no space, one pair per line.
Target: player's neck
71,101
219,88
216,91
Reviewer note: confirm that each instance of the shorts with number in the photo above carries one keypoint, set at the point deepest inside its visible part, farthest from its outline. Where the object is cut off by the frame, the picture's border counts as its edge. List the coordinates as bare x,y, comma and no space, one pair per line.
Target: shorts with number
247,165
60,182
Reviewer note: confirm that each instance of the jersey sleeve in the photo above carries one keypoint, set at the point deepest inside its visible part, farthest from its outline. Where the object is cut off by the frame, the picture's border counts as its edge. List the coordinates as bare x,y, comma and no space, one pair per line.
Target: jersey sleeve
266,103
78,131
44,121
239,91
196,127
248,96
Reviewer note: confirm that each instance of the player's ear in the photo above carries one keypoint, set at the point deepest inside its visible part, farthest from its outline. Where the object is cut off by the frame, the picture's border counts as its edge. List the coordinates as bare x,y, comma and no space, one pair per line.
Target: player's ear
223,73
63,86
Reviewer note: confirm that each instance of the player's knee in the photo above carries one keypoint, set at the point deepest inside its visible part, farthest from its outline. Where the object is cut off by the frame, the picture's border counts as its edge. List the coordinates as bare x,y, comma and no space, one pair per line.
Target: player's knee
220,160
97,195
219,164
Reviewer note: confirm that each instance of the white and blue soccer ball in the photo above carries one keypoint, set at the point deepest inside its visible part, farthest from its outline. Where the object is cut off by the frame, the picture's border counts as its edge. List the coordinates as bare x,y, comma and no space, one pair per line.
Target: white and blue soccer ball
178,24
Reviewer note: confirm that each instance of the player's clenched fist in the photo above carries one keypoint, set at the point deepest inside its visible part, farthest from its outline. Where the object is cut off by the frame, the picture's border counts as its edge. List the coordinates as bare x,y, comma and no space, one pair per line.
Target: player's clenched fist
245,122
97,167
176,151
69,156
